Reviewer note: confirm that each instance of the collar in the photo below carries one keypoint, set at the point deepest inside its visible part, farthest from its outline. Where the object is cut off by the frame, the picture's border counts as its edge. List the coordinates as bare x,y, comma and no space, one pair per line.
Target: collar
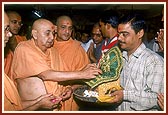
108,41
137,53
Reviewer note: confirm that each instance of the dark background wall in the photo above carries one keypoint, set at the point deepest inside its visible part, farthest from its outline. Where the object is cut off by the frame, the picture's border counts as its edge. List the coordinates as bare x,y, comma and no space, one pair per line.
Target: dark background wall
85,15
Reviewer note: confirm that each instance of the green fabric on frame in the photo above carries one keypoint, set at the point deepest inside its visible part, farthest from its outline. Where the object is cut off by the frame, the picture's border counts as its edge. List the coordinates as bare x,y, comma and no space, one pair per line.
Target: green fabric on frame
111,65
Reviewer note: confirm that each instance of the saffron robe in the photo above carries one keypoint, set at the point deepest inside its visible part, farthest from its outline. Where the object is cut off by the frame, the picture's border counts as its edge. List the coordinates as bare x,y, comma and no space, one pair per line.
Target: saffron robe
29,60
12,101
75,59
9,56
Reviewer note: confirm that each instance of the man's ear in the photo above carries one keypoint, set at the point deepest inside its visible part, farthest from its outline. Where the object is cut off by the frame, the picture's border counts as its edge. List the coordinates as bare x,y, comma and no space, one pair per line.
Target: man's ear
140,33
34,34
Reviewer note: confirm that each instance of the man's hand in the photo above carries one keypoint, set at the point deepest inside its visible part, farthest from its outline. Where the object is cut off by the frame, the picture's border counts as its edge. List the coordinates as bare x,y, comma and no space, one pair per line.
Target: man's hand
160,39
118,96
49,101
66,93
90,53
90,71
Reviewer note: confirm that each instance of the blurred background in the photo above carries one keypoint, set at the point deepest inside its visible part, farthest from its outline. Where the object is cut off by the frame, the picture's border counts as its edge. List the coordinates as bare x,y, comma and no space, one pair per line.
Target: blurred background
85,15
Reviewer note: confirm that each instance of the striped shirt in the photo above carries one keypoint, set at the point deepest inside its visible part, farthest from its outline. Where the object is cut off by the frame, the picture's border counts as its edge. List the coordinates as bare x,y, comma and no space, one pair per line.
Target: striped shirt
142,77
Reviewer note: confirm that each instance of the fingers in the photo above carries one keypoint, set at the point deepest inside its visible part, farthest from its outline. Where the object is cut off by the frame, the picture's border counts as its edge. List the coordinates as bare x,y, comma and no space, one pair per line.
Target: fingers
161,104
92,65
161,97
160,34
56,103
161,100
96,72
90,71
66,94
95,67
118,96
58,106
55,100
47,95
160,39
162,31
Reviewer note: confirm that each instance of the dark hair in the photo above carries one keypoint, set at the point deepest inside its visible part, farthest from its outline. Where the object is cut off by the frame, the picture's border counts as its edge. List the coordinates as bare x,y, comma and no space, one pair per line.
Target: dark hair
136,20
110,17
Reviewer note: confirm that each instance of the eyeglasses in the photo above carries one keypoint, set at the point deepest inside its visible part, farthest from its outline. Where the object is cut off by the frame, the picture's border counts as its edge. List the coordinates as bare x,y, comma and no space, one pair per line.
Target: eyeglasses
16,22
6,29
98,35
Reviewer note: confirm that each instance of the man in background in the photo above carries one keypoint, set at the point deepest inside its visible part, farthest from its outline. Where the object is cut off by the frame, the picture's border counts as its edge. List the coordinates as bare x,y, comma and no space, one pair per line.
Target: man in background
15,24
72,54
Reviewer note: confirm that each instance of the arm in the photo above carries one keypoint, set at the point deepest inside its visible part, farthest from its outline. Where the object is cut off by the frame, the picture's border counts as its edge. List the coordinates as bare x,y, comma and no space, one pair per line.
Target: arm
34,96
141,90
47,101
152,83
30,88
89,72
90,53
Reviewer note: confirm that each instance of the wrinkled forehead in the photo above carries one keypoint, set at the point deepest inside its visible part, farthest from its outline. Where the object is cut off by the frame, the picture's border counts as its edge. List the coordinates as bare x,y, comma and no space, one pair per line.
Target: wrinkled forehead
46,27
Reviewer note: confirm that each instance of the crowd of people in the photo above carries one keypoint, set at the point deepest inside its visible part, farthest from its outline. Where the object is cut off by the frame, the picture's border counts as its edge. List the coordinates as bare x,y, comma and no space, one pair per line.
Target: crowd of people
41,73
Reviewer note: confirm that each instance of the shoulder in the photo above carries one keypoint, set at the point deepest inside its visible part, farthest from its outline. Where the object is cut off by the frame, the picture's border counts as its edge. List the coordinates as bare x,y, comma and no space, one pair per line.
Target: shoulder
24,43
20,38
76,42
152,57
24,46
148,55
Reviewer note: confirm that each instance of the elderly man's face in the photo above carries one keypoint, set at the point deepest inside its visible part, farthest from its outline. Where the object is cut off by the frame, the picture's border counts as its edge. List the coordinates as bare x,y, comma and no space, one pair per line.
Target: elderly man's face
7,33
97,35
45,36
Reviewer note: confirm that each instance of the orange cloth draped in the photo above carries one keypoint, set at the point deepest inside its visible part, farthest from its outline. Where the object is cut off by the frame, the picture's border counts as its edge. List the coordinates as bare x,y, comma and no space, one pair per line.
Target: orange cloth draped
75,59
12,101
8,62
20,38
9,56
29,60
72,54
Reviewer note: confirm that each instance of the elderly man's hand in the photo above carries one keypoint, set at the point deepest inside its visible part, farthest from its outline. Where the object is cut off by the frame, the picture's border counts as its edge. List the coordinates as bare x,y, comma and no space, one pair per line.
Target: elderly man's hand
49,101
90,71
66,94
